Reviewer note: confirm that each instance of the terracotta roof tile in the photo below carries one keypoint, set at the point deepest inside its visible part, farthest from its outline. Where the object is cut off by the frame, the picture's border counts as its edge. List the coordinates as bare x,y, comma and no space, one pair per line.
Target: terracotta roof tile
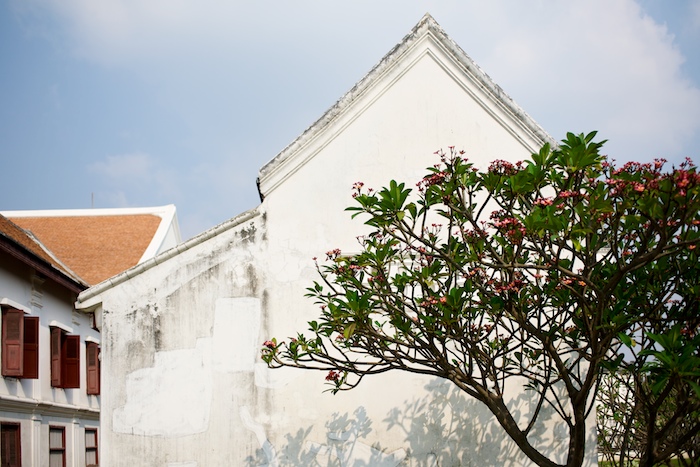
95,247
14,232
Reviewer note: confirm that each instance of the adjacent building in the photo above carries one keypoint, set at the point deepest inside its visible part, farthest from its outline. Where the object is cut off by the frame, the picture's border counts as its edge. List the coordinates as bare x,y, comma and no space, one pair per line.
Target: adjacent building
182,380
50,352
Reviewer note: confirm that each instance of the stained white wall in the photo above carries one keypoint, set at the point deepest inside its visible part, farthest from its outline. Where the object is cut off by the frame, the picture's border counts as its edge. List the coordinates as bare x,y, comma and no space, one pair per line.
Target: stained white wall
183,384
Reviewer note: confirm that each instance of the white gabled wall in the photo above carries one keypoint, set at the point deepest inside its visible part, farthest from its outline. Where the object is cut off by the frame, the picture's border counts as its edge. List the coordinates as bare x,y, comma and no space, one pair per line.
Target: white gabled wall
182,380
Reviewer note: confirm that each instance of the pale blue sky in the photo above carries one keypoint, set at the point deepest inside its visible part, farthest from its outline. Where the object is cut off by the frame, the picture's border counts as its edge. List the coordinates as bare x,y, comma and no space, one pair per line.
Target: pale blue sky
152,102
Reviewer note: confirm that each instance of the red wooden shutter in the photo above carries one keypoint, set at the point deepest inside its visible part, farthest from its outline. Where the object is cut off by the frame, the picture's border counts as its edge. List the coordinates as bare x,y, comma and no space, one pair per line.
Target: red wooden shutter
71,362
56,379
31,348
10,452
12,336
92,352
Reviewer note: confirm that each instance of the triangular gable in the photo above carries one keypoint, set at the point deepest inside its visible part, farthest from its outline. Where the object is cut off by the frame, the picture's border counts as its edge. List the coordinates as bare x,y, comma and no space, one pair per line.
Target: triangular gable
427,37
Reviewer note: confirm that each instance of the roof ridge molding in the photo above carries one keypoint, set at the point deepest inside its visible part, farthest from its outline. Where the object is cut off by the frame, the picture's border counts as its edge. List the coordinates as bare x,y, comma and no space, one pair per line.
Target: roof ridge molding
268,177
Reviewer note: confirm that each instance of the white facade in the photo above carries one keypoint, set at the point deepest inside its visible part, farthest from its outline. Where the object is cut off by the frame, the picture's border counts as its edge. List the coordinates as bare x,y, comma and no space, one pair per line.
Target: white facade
34,405
183,384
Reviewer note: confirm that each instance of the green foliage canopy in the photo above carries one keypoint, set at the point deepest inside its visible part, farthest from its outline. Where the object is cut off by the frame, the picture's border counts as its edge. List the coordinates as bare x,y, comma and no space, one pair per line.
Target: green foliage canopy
543,273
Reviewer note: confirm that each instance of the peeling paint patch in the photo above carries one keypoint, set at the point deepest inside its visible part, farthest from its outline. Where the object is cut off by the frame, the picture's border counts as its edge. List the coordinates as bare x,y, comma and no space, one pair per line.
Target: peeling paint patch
236,330
173,397
170,399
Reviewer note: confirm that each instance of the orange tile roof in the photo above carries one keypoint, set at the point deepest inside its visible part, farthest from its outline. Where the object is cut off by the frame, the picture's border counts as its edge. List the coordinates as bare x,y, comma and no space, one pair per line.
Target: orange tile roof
12,231
95,247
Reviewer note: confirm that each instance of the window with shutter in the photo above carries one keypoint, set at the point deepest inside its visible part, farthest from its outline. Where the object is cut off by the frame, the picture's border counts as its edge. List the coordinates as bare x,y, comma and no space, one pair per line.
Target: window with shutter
57,446
30,369
56,338
71,361
20,344
10,451
91,459
12,337
92,352
65,359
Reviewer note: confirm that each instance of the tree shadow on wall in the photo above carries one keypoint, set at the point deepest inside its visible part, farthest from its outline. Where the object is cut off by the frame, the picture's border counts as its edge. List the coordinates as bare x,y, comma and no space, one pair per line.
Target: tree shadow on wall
345,445
446,428
452,429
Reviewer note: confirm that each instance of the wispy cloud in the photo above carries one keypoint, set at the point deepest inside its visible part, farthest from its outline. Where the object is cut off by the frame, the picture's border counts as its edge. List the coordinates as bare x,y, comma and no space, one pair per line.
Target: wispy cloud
135,176
125,168
597,64
242,79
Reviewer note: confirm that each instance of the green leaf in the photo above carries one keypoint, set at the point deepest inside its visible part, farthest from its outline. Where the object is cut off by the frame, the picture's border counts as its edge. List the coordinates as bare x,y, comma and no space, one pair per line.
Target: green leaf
349,330
625,339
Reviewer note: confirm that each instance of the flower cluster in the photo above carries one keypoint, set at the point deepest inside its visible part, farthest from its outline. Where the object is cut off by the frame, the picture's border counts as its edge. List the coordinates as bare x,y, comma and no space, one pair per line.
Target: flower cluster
511,227
476,272
333,254
512,286
568,194
357,189
378,278
333,376
638,178
501,167
434,179
270,345
543,202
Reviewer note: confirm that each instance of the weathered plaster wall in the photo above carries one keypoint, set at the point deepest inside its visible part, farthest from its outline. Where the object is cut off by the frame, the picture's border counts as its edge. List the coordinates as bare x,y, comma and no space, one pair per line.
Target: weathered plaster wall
183,383
188,331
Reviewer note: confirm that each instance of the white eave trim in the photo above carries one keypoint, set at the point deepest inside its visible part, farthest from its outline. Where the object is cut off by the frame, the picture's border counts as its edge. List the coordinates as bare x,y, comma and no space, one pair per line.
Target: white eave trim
167,216
6,302
57,324
92,339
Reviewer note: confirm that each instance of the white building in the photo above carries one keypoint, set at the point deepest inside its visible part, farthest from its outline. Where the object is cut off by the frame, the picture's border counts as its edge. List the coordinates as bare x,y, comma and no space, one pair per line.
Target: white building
183,384
50,385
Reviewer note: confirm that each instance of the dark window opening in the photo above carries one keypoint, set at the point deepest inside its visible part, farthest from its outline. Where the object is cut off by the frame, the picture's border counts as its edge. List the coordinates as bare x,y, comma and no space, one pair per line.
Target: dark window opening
11,449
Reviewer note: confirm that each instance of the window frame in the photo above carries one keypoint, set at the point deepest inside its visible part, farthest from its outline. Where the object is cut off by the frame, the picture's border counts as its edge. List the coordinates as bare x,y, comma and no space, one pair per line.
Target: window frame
91,449
17,441
92,368
62,448
20,350
65,359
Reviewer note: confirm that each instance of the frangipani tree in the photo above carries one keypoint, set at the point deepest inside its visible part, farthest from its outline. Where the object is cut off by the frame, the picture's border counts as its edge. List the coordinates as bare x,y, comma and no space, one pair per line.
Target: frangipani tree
540,274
